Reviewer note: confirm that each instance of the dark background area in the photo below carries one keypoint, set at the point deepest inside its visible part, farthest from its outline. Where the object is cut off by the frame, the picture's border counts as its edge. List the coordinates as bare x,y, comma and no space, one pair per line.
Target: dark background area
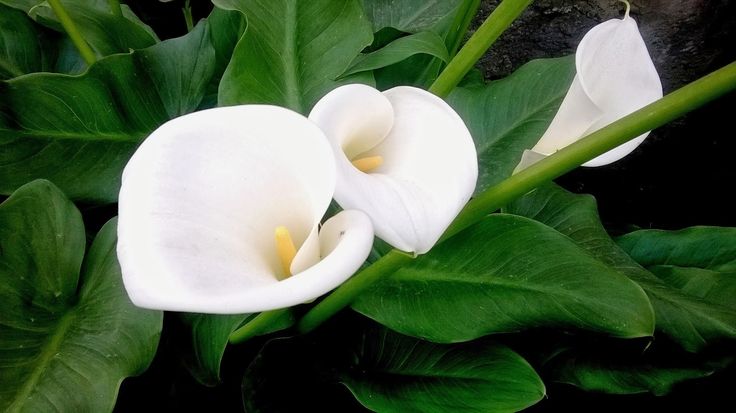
682,175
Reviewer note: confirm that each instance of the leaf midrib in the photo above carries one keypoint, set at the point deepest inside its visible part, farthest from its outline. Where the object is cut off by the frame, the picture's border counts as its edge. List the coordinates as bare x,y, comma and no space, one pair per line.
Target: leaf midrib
290,56
48,351
132,137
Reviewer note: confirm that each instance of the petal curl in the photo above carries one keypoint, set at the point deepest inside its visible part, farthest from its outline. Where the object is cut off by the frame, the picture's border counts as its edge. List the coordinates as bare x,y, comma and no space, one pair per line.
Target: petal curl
200,201
429,165
615,77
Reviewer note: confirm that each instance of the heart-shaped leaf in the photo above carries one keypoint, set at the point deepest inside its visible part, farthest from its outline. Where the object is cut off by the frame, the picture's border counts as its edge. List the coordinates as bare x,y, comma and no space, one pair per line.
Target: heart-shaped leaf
292,51
506,273
687,319
79,131
68,332
388,372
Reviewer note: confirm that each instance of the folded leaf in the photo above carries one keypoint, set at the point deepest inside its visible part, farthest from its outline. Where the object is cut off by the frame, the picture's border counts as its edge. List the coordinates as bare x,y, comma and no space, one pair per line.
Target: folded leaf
421,43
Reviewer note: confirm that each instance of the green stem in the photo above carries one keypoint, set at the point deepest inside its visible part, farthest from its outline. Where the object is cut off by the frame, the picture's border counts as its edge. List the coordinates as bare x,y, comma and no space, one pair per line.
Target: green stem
482,39
115,7
346,293
461,24
188,16
256,325
71,29
652,116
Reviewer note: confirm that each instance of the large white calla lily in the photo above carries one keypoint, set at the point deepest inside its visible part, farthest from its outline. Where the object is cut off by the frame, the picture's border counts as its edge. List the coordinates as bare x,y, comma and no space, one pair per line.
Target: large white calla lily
615,77
403,156
212,202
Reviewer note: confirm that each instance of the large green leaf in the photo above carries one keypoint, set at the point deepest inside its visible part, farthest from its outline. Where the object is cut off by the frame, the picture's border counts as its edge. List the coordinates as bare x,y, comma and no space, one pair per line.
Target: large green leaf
79,131
687,319
421,43
411,16
710,248
395,373
504,274
292,51
510,115
633,374
388,372
700,261
68,332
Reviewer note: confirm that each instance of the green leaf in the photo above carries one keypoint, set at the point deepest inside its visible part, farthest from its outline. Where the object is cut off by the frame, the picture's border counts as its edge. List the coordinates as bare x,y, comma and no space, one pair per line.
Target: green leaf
713,286
710,248
505,274
292,51
688,320
80,131
421,43
21,46
411,16
700,261
510,115
637,374
209,335
387,372
104,31
209,339
395,373
68,332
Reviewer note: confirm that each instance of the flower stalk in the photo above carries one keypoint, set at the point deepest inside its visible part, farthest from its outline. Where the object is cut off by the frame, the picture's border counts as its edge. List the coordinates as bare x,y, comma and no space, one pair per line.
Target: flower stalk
71,29
670,107
482,39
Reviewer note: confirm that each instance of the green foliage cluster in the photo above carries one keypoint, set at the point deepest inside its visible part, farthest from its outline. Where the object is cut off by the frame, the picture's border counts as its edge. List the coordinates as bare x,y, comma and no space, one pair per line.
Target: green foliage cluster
637,313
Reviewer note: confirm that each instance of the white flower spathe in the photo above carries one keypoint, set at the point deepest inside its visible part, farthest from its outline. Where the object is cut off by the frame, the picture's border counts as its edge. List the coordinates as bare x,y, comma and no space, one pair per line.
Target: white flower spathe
615,77
201,200
428,164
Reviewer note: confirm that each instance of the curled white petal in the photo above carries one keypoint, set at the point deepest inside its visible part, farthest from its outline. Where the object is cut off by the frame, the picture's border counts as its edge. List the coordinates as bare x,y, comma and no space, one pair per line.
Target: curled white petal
201,199
429,167
615,77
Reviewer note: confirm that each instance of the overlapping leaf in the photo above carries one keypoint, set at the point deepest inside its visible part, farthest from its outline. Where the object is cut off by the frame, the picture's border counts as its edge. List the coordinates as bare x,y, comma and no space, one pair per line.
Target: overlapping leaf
68,332
506,273
687,319
79,131
292,52
388,372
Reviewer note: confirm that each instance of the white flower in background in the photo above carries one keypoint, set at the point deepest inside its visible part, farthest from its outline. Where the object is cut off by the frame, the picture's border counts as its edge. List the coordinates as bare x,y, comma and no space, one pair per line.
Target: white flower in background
403,156
217,208
615,77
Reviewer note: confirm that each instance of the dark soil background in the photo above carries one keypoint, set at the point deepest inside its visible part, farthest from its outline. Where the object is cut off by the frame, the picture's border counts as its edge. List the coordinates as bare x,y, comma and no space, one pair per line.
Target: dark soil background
682,175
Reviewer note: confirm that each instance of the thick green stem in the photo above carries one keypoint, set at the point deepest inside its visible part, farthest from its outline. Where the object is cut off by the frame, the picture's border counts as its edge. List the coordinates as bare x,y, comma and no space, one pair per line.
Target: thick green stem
346,293
482,39
71,29
115,7
652,116
256,325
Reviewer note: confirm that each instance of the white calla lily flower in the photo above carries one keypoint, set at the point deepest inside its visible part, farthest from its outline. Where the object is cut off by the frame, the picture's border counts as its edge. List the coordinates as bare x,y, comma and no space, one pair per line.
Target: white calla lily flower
218,206
403,156
615,77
